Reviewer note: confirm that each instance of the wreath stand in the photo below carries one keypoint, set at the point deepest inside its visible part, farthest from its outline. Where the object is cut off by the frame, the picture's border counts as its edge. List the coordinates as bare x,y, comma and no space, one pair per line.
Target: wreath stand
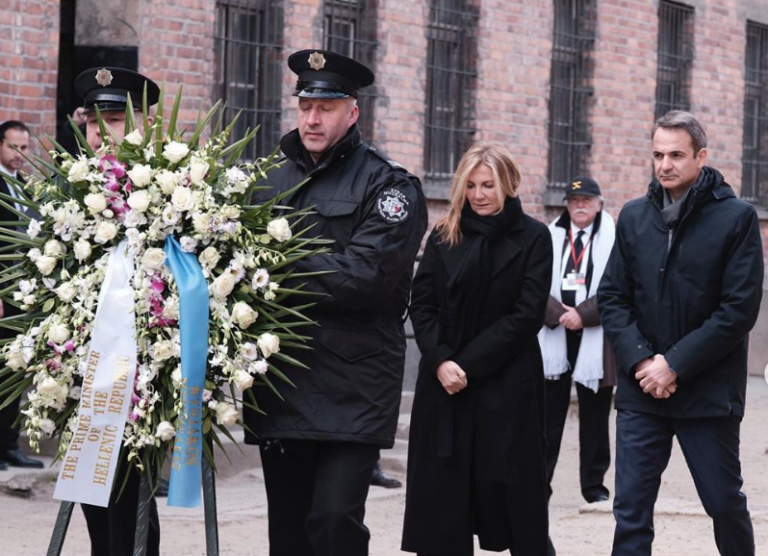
142,518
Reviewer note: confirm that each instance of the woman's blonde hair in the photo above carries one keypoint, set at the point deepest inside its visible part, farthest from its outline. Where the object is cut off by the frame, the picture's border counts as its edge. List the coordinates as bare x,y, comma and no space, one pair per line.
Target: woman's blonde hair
506,179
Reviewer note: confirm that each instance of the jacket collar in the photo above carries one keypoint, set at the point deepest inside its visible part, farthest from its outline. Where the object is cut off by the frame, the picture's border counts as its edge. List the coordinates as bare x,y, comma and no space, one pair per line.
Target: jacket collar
292,147
709,186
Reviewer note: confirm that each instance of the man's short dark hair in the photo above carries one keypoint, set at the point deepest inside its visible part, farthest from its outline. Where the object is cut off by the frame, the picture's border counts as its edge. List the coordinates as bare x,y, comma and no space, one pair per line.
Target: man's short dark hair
12,124
680,119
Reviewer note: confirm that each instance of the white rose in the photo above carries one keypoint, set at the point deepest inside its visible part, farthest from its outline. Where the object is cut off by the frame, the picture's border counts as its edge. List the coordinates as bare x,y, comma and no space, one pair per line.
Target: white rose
140,175
175,151
104,232
49,387
162,350
223,285
167,181
139,201
16,360
82,250
78,171
182,198
225,414
153,259
279,229
243,380
134,138
230,212
34,228
54,248
66,292
198,168
209,257
96,202
268,344
202,223
47,426
242,315
188,244
45,264
259,367
58,333
165,431
171,309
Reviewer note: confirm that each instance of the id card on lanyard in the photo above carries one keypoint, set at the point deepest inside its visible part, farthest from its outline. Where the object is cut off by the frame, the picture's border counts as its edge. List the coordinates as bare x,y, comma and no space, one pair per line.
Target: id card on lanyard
575,279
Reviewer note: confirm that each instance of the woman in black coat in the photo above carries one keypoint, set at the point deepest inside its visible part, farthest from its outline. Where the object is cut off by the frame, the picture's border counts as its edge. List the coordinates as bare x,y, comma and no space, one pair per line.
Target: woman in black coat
476,461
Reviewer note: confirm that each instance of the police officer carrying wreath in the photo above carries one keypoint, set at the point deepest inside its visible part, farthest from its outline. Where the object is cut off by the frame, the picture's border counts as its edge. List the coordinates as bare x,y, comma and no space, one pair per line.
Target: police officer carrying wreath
319,446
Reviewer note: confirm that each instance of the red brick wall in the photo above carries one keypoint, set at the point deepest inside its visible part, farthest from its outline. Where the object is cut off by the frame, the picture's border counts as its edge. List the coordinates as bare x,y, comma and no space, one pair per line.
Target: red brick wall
29,57
176,46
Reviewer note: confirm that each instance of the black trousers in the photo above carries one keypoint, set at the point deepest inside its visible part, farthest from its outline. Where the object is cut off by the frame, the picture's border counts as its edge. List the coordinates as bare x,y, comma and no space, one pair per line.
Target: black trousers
711,450
594,413
316,493
113,529
9,435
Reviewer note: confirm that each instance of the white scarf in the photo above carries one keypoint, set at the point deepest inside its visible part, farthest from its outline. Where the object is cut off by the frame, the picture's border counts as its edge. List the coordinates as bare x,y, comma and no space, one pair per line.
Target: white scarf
589,363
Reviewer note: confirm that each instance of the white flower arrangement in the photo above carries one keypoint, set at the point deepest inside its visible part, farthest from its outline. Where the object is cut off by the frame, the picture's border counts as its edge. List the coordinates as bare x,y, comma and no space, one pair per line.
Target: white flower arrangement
200,194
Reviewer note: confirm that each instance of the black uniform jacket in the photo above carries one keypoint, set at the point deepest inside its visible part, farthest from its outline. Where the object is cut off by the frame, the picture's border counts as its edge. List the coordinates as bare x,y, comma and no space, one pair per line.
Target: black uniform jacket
476,459
7,216
693,301
375,212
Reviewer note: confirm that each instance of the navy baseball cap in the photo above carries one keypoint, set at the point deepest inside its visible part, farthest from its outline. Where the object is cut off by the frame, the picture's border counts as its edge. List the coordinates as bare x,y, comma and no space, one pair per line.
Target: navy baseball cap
582,185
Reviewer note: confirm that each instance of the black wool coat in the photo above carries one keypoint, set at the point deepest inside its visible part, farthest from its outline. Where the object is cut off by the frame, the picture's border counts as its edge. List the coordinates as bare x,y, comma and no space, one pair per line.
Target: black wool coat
476,461
692,296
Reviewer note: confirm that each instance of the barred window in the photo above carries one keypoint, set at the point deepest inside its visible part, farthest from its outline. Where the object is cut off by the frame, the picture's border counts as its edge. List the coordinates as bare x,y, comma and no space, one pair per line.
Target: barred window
755,158
673,76
451,81
570,138
349,28
248,69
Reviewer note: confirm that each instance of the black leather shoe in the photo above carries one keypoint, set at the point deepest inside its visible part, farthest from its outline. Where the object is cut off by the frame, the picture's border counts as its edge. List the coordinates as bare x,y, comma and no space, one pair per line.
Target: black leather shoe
16,458
162,488
599,497
381,480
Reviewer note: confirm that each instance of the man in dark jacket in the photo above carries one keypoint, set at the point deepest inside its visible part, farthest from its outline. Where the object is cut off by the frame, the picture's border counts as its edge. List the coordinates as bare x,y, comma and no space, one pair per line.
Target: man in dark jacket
14,142
681,292
319,446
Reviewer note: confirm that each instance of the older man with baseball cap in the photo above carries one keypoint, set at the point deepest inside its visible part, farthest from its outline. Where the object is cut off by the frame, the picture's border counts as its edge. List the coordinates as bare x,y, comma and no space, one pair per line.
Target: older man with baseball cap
572,341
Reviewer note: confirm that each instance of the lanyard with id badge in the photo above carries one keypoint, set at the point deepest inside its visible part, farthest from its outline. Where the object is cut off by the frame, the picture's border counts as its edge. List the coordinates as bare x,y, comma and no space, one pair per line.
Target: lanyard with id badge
574,279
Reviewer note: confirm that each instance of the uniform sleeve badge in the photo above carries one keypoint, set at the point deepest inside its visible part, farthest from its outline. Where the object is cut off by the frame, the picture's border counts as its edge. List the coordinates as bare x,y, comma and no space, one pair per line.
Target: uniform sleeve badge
393,206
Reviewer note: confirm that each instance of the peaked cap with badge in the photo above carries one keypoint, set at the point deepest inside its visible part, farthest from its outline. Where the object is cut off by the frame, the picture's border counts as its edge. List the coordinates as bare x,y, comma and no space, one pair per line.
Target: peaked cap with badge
582,185
326,74
108,88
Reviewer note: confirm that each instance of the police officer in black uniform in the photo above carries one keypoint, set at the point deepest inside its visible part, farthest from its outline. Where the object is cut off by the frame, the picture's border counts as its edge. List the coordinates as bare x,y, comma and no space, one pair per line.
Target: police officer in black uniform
319,446
112,529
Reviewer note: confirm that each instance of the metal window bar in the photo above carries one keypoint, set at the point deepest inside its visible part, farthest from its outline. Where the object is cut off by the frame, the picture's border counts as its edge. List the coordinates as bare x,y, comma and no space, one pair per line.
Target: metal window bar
248,69
675,53
755,156
570,137
451,82
349,28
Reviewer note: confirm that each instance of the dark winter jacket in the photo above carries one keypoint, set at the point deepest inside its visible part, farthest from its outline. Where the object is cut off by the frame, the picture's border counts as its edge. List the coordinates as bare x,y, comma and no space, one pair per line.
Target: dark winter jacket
691,295
476,459
375,212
